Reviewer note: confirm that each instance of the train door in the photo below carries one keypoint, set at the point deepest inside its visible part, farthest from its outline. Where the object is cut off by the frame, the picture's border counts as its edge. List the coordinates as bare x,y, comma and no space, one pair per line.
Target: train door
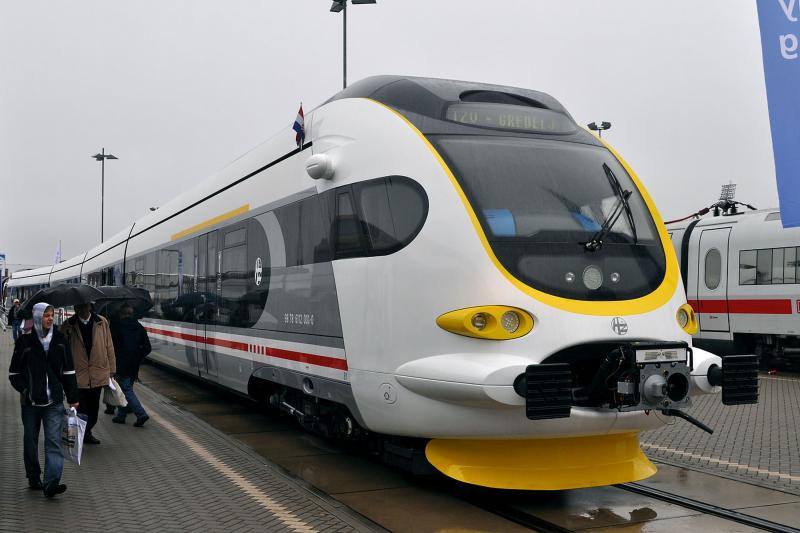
207,311
712,279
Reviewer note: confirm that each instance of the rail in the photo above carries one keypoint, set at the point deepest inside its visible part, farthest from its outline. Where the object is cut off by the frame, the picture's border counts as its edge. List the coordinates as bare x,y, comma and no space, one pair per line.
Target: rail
707,508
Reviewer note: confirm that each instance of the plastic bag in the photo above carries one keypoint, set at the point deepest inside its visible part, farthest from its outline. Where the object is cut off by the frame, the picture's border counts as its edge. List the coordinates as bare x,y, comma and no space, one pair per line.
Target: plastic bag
72,431
113,395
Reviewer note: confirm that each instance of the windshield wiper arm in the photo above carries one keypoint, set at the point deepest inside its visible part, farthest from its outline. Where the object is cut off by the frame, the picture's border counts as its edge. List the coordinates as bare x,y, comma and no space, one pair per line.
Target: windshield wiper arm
623,195
596,242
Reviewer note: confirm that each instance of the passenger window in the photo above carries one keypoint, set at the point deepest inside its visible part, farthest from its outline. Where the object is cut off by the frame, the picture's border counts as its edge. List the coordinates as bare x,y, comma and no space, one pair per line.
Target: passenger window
713,269
346,228
747,267
790,265
764,267
393,210
777,265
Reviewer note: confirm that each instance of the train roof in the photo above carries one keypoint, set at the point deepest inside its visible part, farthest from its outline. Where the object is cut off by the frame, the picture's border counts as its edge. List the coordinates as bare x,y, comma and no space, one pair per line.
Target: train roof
759,215
424,102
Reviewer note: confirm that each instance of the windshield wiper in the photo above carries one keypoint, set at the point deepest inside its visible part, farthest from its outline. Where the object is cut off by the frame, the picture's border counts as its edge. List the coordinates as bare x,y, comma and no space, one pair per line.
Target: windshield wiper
621,206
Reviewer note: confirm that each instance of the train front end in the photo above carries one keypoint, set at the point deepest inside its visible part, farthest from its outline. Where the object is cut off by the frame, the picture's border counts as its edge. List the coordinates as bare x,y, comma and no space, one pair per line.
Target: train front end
536,324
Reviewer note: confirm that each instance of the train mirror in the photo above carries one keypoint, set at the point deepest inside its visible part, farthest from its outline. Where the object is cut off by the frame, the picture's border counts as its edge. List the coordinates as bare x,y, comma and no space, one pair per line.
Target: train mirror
320,166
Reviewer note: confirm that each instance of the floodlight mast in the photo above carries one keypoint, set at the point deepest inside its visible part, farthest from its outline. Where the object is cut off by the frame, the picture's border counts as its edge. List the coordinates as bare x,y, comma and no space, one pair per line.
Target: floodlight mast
341,6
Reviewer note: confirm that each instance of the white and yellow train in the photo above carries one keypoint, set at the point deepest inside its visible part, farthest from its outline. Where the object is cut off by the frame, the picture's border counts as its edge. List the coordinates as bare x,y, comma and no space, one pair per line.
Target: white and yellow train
444,266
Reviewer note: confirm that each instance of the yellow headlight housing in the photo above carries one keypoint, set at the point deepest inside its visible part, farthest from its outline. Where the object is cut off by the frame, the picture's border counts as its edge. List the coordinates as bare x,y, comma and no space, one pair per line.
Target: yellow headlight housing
686,318
497,322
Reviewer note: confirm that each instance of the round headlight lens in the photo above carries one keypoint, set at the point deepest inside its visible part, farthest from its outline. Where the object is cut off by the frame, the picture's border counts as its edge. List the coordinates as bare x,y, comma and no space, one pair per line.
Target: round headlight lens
569,277
479,321
683,318
510,321
614,277
592,277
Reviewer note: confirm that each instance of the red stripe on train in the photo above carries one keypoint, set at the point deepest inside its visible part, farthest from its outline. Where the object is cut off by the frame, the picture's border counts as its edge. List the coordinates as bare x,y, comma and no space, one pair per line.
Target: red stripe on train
751,307
300,357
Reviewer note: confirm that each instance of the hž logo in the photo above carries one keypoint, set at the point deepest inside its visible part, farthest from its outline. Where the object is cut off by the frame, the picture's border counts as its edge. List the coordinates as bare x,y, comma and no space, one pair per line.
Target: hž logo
619,325
258,271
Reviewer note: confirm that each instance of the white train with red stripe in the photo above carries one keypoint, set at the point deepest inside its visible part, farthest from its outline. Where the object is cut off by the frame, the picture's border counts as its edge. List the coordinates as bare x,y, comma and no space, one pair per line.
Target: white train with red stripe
445,270
743,281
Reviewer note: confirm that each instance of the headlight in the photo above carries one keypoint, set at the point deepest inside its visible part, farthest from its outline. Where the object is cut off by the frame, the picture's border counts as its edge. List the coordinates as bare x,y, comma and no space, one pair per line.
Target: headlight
510,321
479,321
497,322
687,319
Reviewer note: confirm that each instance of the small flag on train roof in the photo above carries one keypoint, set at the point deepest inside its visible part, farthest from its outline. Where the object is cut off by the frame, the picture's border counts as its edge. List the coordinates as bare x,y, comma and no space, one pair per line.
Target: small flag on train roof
300,127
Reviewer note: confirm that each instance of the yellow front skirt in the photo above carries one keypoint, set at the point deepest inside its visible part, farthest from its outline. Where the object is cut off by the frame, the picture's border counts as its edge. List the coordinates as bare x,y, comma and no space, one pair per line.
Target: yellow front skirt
542,464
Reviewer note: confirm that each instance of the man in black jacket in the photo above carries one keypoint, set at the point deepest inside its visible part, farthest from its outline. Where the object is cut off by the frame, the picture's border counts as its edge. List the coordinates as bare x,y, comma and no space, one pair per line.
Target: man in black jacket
42,371
131,346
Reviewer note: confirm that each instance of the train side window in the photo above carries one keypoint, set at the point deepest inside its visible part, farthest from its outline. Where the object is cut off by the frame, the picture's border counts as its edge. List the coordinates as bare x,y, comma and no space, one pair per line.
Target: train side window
346,228
233,308
790,265
393,210
747,267
713,269
777,265
764,267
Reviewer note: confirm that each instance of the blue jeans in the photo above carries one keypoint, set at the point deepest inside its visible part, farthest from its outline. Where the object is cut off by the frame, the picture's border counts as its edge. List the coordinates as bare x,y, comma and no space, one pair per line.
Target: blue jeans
51,417
134,405
16,329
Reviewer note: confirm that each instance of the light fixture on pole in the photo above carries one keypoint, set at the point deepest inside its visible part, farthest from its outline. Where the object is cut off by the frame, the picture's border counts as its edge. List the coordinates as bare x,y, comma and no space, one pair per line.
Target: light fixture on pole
341,5
102,156
599,129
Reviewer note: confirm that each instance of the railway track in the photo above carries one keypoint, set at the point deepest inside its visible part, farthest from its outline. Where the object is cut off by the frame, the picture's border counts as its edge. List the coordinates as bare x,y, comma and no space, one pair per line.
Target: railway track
516,512
715,510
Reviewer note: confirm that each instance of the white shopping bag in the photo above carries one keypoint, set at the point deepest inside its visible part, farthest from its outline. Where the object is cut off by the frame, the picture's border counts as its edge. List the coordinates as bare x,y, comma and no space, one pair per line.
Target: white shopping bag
113,395
72,432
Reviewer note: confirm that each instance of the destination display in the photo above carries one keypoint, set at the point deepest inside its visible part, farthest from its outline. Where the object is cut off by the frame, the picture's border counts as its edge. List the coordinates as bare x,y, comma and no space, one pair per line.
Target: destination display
509,117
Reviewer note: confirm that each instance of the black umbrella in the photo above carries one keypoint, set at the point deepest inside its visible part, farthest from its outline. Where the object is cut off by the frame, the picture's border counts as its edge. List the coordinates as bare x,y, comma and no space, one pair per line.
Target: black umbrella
61,296
115,297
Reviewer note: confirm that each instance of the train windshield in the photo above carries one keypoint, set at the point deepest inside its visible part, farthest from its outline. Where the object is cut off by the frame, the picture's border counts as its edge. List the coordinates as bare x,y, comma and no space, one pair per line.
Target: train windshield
541,201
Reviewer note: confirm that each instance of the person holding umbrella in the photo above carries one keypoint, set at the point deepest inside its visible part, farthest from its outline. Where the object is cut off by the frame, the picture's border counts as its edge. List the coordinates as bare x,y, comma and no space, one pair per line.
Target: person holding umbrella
92,348
42,371
131,346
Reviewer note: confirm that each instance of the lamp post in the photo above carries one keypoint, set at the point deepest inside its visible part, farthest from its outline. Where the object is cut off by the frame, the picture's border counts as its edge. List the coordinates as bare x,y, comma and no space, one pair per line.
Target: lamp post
102,156
599,129
341,5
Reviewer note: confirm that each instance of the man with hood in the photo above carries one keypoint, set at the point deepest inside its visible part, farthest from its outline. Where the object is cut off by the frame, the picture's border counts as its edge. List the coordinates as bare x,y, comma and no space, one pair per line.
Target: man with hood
42,371
89,339
131,346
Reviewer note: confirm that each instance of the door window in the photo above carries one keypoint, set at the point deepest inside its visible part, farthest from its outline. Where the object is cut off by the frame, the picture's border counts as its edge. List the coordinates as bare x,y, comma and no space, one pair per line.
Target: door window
713,269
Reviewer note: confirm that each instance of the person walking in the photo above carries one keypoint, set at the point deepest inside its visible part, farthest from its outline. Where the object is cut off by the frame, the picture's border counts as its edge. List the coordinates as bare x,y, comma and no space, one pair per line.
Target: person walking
14,319
131,346
42,372
89,338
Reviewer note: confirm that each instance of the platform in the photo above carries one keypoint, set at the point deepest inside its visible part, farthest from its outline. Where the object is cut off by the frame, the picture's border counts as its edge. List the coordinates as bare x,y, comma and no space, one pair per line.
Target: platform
176,473
757,444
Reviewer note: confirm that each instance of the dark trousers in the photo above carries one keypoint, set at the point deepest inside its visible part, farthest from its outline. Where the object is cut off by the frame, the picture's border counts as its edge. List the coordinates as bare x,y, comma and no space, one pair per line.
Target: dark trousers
89,400
51,417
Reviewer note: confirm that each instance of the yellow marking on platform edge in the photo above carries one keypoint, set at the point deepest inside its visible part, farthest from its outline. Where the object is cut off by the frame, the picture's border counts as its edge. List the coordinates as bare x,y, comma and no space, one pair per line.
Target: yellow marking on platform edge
722,462
210,222
289,519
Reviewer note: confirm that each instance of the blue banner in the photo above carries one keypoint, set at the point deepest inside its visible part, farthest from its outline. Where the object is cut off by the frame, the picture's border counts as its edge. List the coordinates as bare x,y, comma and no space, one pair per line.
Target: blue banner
780,47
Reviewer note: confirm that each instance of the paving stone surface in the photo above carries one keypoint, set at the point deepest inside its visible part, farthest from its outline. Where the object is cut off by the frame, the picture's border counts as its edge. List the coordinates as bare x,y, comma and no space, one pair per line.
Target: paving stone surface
174,474
759,444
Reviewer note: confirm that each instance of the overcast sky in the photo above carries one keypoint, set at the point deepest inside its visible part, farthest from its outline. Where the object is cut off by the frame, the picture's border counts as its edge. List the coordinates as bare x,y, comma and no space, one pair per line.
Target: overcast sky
178,88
